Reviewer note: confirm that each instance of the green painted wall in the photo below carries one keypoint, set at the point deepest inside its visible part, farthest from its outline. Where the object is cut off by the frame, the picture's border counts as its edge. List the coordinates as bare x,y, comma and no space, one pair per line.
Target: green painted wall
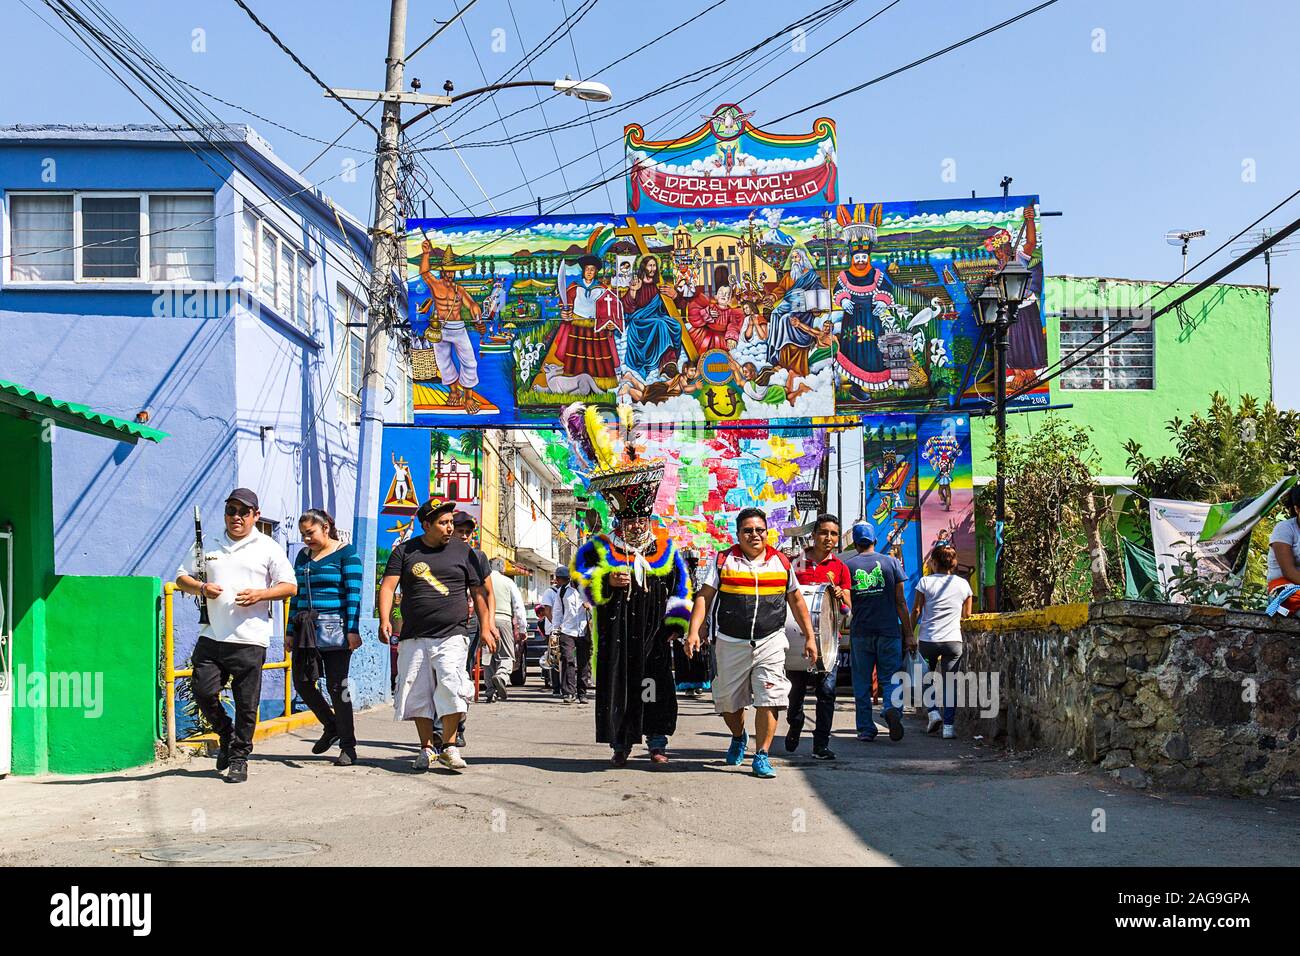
85,653
1224,348
26,503
103,644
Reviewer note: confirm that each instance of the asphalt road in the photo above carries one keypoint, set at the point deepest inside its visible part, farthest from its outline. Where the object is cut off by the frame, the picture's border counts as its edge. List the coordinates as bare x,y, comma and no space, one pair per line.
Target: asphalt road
540,791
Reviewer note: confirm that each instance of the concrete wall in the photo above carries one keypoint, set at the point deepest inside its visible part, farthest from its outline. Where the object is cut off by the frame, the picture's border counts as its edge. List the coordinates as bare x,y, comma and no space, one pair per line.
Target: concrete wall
1225,347
1186,696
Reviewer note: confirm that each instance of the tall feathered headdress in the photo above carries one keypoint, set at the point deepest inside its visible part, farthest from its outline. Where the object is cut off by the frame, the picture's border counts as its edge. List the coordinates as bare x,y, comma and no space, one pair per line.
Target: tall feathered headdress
859,229
610,455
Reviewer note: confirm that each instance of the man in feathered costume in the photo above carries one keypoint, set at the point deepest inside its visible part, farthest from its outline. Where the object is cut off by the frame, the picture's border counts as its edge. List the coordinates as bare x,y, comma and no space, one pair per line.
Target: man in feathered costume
638,586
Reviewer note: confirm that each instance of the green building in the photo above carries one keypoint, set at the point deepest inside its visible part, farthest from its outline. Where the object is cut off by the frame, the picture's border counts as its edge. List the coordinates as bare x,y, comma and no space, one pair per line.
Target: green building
1218,341
81,684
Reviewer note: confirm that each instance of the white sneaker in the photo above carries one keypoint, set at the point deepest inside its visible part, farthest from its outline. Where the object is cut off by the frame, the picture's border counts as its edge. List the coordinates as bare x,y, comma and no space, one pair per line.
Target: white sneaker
949,731
451,759
424,759
935,722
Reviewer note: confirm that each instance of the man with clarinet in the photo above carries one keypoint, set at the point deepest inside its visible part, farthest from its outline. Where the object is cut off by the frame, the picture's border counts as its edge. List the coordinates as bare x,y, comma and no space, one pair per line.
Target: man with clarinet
241,576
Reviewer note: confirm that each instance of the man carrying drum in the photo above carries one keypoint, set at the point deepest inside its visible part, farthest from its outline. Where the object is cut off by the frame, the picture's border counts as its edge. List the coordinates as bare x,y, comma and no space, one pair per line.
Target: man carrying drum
819,567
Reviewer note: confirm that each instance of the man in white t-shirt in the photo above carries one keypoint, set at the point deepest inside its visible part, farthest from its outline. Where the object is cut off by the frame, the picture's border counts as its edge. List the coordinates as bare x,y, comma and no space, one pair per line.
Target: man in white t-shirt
572,622
245,573
546,627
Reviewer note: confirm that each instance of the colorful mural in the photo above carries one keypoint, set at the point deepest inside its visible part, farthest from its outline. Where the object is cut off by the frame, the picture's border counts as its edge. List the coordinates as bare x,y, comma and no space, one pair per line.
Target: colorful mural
748,315
711,474
918,487
418,463
729,163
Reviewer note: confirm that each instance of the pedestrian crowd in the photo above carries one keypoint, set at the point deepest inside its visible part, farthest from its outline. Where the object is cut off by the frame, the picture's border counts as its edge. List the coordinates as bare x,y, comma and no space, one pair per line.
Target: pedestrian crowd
742,626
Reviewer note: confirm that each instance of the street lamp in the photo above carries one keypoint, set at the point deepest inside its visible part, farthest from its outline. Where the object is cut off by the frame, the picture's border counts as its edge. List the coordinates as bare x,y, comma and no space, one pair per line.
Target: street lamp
587,90
997,309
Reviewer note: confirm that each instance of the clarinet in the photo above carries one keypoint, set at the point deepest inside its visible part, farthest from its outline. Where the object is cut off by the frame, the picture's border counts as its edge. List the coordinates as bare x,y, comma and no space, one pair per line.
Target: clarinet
200,567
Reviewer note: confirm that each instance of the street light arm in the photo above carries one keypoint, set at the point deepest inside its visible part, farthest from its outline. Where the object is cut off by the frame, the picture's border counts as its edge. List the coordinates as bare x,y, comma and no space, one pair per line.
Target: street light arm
582,89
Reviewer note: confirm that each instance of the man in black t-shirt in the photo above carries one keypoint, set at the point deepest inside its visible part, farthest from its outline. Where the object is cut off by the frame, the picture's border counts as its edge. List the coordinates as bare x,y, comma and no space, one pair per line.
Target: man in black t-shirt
439,579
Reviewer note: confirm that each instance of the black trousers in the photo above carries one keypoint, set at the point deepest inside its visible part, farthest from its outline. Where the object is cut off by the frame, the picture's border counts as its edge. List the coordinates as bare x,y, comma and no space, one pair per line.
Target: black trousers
339,719
575,664
824,687
214,663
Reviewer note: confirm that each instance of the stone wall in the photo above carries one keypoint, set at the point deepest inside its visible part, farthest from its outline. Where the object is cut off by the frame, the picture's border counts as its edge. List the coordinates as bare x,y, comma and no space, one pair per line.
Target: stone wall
1189,697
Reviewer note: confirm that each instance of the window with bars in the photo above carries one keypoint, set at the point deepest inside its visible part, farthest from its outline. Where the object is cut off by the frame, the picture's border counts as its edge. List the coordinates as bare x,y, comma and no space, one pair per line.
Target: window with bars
1127,364
90,237
278,271
349,320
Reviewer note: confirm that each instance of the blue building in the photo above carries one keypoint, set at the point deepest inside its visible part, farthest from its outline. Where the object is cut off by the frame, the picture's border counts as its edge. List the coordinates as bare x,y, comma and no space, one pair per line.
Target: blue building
212,292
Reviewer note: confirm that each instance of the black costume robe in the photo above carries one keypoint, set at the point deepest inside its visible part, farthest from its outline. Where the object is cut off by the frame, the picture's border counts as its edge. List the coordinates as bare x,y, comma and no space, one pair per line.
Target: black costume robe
633,628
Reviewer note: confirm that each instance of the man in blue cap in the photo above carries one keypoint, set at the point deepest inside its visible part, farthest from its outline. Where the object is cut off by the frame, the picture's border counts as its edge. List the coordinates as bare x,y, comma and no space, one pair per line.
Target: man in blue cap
881,625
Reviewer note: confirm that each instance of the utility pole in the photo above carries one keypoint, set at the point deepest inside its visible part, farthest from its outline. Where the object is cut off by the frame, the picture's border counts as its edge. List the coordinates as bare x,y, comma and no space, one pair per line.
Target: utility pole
384,259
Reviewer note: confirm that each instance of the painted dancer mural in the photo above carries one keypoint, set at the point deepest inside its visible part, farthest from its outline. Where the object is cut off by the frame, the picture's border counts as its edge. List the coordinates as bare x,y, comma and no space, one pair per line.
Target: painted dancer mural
918,490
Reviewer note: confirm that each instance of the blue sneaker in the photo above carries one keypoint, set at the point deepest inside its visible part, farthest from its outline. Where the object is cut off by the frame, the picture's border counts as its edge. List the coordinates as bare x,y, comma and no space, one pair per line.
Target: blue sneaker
736,752
762,766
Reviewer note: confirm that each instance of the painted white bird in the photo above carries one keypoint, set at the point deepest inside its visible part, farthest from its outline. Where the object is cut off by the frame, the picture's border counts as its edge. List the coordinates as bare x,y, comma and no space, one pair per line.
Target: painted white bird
925,315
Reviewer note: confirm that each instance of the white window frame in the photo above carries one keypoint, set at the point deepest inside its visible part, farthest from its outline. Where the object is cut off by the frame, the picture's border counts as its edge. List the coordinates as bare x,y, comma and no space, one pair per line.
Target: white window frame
141,279
300,258
346,391
1106,319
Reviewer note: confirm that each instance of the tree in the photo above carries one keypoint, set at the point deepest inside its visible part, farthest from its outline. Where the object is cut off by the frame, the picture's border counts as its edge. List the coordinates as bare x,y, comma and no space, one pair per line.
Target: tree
439,444
1226,454
1052,517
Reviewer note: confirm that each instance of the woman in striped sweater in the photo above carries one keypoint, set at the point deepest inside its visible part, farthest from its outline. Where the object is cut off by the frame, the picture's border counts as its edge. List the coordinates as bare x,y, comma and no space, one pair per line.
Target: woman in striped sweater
329,583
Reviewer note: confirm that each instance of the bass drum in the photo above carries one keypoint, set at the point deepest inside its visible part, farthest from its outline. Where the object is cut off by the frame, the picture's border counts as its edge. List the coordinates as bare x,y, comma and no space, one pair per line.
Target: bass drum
825,613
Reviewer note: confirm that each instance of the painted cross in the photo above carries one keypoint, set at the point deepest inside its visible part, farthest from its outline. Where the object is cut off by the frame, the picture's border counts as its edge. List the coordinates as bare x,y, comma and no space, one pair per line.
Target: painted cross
638,234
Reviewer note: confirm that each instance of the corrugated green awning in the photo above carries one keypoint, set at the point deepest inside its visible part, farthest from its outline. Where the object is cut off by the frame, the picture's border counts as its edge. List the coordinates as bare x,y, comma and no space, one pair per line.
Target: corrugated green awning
27,403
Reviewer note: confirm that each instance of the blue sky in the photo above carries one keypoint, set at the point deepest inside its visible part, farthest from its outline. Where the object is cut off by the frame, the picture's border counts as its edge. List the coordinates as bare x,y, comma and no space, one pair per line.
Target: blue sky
1174,115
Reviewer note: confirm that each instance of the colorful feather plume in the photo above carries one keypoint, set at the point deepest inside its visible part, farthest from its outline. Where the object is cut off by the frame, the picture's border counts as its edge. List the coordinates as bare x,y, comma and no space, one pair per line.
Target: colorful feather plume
598,431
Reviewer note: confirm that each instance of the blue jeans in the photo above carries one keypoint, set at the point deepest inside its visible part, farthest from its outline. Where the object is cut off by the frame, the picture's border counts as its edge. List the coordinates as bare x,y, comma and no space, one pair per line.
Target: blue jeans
882,653
652,742
943,659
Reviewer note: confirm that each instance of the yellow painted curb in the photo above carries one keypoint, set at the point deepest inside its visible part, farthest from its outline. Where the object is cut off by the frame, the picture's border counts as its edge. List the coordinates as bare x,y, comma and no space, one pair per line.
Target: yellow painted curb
1065,616
265,729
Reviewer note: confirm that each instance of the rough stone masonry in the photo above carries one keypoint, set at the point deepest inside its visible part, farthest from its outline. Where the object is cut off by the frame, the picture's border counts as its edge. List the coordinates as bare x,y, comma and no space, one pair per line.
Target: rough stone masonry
1186,696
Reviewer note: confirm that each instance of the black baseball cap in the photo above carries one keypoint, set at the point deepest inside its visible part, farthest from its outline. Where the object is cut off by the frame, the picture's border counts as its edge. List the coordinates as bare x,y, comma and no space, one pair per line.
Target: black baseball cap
463,517
245,497
432,508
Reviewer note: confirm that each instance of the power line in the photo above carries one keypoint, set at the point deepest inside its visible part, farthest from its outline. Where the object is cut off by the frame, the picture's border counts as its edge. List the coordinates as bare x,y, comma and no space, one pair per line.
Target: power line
1260,247
564,176
925,59
649,43
441,27
590,125
303,66
483,73
685,105
1231,267
68,14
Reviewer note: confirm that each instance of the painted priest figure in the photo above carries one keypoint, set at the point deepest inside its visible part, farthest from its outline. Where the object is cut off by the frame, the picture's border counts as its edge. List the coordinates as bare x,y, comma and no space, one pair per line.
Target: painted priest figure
639,590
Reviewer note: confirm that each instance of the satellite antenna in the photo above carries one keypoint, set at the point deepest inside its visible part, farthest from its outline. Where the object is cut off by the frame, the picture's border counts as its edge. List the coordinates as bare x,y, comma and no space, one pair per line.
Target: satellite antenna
1184,237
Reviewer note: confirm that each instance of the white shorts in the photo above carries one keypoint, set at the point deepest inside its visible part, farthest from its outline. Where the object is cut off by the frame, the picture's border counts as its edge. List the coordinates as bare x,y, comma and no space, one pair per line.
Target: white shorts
750,675
455,342
431,678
